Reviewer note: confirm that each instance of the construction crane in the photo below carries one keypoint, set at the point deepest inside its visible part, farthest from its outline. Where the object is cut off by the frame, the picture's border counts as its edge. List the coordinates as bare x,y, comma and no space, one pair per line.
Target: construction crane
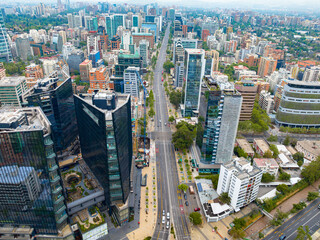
145,95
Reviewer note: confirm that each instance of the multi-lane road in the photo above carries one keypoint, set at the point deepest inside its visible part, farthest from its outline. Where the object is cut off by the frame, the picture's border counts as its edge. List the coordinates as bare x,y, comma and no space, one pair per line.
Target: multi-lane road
167,175
310,216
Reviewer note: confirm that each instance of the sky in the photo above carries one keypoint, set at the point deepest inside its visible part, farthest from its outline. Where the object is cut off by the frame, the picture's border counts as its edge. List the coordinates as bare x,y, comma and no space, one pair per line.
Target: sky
305,5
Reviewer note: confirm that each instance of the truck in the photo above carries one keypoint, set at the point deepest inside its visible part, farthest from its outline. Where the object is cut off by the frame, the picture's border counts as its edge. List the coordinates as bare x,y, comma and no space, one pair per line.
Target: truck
191,190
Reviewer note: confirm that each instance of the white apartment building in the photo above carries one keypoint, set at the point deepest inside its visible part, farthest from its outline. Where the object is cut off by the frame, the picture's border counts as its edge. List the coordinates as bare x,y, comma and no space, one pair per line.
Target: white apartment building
241,181
266,101
311,74
131,81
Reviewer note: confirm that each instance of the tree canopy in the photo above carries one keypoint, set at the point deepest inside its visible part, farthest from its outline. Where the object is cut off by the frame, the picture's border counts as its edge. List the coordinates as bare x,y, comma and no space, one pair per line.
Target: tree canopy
167,66
183,187
183,137
267,177
195,218
224,198
311,173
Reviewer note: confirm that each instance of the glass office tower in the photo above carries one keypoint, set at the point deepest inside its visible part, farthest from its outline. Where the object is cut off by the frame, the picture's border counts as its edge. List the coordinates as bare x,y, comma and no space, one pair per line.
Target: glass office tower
56,100
105,132
30,189
221,122
195,65
5,53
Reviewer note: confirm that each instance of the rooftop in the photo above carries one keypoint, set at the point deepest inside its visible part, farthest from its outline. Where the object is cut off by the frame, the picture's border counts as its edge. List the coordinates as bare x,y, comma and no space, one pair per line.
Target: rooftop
266,162
23,119
194,51
310,146
14,174
142,34
85,62
11,81
262,144
242,168
245,145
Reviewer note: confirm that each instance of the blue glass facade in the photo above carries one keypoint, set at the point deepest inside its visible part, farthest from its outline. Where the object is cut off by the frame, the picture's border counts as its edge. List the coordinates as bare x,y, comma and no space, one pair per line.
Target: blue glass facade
194,74
5,53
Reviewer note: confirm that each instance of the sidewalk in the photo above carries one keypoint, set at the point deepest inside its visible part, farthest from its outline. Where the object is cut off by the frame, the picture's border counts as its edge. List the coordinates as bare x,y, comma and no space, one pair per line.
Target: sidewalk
147,220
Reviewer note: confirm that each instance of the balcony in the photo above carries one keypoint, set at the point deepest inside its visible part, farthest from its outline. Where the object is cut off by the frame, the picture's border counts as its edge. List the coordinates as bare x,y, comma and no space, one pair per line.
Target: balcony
57,190
62,218
48,142
115,186
52,168
114,177
56,202
51,155
55,179
61,209
112,169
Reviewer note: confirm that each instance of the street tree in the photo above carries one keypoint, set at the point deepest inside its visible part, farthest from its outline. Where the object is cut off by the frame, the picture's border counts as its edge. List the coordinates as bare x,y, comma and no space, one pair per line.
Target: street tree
303,233
195,218
224,198
183,187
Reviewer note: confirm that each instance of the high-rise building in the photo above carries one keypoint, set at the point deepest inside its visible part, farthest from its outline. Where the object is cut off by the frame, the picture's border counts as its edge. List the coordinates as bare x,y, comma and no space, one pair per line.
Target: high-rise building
266,101
57,42
299,106
195,64
11,90
33,73
118,21
179,64
267,66
99,79
215,59
135,21
311,74
248,91
186,43
85,68
137,37
56,101
31,193
131,81
5,53
124,61
67,48
70,20
74,59
144,52
172,13
105,132
221,112
241,181
109,27
23,48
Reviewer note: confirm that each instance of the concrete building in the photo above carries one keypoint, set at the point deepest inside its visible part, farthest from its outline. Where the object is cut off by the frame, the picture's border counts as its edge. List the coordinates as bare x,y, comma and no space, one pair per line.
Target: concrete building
311,74
221,113
261,146
74,59
137,37
67,49
185,43
85,68
266,101
267,165
49,66
33,73
248,91
310,149
131,81
195,65
299,105
11,89
23,48
267,66
241,181
179,64
99,79
245,146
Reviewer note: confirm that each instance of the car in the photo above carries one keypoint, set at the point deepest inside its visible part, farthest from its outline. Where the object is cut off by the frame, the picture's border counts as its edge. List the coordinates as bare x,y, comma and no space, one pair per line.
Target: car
163,213
197,209
168,225
165,124
319,206
282,237
163,219
185,196
168,215
187,203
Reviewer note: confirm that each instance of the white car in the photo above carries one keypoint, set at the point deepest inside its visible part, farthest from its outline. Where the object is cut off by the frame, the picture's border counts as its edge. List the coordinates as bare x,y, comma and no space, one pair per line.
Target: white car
163,219
168,215
163,213
168,225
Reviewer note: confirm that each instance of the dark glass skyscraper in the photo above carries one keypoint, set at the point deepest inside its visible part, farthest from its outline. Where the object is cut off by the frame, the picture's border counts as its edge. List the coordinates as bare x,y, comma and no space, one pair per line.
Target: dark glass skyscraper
56,100
30,190
104,121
